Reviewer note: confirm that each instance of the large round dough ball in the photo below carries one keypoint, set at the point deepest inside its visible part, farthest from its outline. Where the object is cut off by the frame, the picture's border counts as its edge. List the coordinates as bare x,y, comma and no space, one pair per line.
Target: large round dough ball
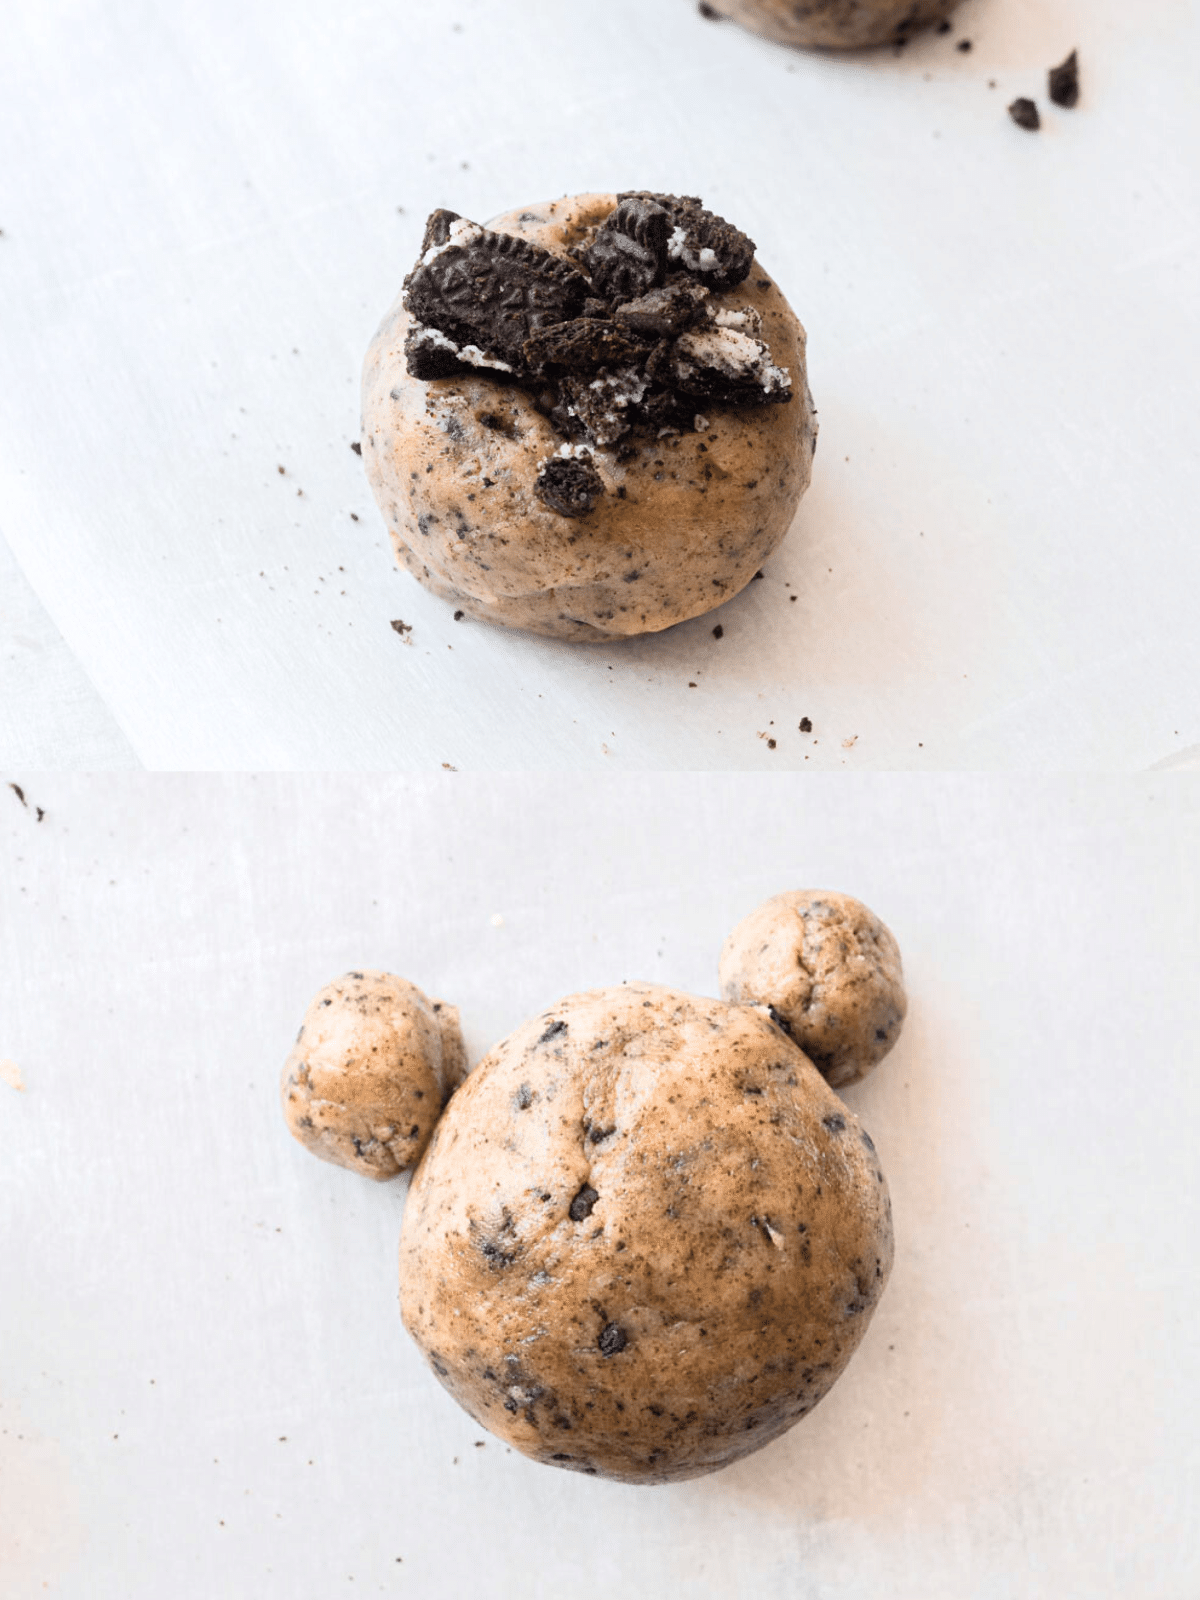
684,520
373,1064
646,1238
836,24
831,972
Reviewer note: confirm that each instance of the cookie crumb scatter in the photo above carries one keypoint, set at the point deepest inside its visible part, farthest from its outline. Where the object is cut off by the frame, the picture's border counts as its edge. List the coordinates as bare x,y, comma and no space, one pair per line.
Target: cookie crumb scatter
446,767
281,471
1025,114
356,447
1064,82
805,724
402,628
718,632
770,744
20,794
459,615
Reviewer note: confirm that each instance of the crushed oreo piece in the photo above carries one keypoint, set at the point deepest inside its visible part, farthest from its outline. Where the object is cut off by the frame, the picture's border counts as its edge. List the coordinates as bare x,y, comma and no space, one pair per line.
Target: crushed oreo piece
1025,114
1064,82
665,312
629,337
569,485
492,290
612,1340
724,364
701,241
605,405
428,354
629,253
583,345
437,229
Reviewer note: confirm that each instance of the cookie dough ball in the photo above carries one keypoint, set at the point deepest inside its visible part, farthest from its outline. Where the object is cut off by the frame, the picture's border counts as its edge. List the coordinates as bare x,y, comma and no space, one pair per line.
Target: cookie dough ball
646,1238
830,971
836,24
373,1064
592,498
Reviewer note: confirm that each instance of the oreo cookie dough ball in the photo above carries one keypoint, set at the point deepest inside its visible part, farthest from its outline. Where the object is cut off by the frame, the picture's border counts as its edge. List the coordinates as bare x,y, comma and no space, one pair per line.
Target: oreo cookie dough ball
373,1064
646,1237
836,24
829,971
590,418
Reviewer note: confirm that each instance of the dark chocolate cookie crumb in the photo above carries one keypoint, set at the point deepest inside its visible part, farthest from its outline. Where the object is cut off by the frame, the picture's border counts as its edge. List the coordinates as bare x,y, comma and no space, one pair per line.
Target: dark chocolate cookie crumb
584,345
718,632
805,724
1025,114
1064,82
583,1203
569,486
356,447
708,12
402,627
612,1340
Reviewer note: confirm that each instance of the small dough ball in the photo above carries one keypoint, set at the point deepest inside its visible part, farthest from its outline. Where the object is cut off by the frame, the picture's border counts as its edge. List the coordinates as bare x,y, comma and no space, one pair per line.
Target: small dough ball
836,24
681,521
830,971
373,1064
646,1238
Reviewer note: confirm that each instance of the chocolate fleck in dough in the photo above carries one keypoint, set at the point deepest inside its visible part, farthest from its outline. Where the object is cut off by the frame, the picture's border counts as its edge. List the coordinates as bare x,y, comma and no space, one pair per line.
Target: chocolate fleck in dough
373,1064
646,1237
590,418
830,973
836,24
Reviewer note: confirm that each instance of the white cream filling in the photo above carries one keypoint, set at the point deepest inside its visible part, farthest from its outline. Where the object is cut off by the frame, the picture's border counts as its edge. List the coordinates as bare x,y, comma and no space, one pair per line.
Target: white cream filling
702,260
742,319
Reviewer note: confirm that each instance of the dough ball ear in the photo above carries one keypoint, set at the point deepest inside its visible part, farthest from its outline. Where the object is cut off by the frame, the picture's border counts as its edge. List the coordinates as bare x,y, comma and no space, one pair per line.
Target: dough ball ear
373,1065
830,973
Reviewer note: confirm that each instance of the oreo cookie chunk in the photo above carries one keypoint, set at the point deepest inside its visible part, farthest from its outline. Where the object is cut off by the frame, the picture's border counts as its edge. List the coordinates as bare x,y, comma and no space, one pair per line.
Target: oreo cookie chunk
489,291
584,345
723,361
701,242
605,406
569,485
664,312
629,253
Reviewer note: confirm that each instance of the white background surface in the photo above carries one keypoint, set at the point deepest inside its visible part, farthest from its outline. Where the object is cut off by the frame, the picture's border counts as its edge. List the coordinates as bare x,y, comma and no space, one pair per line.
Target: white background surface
996,564
205,1386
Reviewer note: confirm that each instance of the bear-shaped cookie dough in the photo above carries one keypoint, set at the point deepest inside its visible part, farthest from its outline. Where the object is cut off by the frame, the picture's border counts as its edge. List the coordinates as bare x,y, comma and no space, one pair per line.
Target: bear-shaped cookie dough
373,1064
589,418
646,1237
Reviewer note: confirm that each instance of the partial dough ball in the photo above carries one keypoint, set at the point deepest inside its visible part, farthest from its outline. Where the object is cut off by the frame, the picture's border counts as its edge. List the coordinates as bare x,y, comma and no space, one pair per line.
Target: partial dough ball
646,1238
830,971
681,521
373,1064
836,24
